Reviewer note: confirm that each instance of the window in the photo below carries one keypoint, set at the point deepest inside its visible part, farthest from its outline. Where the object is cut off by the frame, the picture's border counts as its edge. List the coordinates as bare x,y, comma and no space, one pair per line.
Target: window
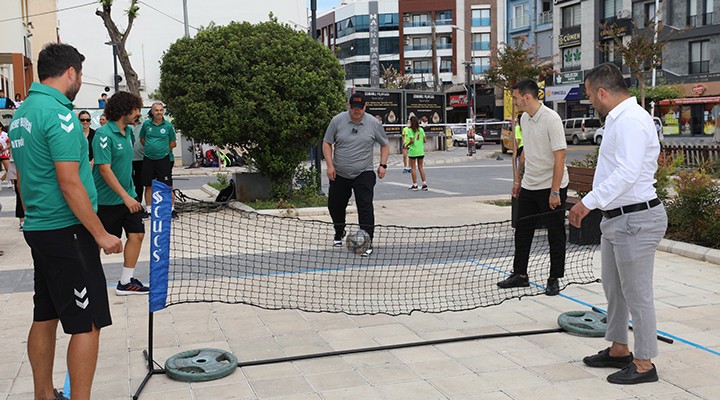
611,8
571,57
421,67
420,43
445,65
649,13
608,53
571,16
444,42
699,57
481,17
389,45
520,17
388,22
481,41
481,65
420,20
698,17
443,17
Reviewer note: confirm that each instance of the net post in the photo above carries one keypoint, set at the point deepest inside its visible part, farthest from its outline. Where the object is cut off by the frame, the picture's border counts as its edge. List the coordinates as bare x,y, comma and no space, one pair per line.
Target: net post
149,359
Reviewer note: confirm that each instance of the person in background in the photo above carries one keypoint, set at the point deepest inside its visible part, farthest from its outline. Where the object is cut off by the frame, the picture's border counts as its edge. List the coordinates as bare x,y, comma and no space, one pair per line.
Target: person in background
406,166
414,136
86,121
634,221
103,119
61,225
102,100
4,154
157,136
5,102
137,163
18,100
518,136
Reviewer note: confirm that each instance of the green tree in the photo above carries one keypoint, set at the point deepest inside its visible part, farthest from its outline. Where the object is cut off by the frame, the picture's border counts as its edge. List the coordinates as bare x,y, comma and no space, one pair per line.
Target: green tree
120,38
264,87
657,93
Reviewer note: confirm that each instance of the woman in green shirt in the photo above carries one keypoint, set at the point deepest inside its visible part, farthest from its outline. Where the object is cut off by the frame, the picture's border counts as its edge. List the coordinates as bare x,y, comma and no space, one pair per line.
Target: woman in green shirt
414,139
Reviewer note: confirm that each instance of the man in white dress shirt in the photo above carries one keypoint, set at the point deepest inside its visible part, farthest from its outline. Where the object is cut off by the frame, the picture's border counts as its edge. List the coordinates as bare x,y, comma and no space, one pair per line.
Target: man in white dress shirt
634,222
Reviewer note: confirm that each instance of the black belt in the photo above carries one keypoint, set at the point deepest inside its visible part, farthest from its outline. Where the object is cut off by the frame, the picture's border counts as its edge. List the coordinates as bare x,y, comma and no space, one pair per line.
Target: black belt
631,208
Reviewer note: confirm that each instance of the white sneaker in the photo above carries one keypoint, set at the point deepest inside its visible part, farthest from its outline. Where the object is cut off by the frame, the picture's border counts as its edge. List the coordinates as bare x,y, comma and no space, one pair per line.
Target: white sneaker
337,243
367,252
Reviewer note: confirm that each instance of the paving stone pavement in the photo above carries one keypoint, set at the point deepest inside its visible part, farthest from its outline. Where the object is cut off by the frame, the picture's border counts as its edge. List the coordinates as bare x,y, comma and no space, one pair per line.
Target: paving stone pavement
547,366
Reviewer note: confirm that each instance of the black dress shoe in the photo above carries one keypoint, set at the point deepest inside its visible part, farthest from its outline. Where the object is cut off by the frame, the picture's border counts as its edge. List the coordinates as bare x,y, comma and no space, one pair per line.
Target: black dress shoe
514,280
553,287
630,375
603,359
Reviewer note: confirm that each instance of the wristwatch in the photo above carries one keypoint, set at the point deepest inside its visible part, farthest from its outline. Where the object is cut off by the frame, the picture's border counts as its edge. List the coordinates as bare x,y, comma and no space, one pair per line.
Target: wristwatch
555,194
384,165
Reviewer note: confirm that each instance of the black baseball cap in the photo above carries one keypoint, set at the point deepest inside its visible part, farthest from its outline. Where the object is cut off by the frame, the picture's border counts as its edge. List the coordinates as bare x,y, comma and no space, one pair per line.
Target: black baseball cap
357,100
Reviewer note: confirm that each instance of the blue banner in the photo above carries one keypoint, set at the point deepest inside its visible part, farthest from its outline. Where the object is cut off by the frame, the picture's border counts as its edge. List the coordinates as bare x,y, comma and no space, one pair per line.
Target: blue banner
161,216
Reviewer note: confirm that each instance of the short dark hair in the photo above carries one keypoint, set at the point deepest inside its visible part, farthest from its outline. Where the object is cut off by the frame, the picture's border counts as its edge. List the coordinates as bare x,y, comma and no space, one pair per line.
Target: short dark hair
56,58
103,94
608,77
83,112
527,86
120,104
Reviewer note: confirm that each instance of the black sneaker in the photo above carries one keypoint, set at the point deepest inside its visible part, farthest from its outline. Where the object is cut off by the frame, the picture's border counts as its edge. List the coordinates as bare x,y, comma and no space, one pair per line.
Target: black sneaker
133,287
175,215
513,281
145,215
414,188
424,187
553,287
337,241
59,395
603,359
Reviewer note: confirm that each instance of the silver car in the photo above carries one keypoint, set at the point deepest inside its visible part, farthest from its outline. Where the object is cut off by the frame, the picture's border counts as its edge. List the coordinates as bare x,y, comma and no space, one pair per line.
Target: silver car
580,129
459,137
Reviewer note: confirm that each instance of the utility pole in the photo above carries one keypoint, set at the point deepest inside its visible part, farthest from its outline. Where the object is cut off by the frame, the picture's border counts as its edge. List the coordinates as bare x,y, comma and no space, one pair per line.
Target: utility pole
470,94
434,56
318,149
655,38
187,26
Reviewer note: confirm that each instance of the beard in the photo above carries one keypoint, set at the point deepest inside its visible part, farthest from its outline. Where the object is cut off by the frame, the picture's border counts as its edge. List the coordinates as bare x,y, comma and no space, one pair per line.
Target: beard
73,90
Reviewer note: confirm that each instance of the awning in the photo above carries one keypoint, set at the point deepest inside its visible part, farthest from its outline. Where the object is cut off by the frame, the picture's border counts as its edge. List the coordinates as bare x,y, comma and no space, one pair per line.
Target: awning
690,100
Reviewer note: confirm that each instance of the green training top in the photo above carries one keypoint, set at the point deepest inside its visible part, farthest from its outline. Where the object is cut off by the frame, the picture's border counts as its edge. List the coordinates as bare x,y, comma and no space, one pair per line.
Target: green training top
43,131
417,147
112,147
157,138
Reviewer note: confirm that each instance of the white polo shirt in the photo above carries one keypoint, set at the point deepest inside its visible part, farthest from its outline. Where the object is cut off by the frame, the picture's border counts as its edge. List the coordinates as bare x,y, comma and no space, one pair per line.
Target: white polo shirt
543,134
625,172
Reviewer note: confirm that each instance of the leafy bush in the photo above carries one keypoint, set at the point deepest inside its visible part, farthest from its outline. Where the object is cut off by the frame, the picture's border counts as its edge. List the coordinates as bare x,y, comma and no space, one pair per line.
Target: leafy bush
694,214
304,193
667,166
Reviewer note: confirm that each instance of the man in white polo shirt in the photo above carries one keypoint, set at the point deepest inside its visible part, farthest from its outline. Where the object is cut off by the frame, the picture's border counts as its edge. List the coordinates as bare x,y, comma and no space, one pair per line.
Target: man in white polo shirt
540,187
634,222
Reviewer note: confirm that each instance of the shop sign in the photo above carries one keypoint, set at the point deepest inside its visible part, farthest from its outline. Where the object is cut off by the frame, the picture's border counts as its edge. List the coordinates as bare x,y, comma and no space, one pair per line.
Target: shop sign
698,90
564,78
458,100
569,39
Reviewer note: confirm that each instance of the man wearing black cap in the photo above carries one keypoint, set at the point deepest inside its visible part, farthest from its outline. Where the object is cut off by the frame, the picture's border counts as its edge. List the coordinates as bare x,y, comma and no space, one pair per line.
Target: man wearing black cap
348,150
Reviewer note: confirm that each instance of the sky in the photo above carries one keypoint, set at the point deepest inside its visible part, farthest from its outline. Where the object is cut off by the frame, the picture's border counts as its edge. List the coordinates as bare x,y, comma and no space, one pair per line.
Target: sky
158,26
325,5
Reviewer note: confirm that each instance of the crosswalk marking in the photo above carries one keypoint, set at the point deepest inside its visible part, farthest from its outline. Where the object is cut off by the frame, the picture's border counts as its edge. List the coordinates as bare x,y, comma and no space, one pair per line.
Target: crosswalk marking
430,189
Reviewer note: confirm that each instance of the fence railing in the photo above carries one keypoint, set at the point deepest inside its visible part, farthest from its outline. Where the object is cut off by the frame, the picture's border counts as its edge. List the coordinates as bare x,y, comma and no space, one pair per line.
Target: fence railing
695,155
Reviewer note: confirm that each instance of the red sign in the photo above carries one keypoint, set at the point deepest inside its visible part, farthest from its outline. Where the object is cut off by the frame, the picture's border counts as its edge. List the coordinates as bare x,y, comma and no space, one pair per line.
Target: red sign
690,100
458,100
698,90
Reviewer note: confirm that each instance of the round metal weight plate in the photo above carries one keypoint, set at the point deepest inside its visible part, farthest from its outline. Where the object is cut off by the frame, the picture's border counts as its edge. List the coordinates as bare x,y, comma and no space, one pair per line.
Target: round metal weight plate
201,365
584,323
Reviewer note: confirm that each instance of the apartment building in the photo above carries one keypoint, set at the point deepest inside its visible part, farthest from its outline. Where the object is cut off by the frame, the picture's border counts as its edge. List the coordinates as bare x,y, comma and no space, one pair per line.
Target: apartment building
532,19
691,61
16,66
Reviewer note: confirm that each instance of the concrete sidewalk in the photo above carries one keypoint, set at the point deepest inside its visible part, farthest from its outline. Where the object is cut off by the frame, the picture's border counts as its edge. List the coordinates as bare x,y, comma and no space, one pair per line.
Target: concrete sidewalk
529,367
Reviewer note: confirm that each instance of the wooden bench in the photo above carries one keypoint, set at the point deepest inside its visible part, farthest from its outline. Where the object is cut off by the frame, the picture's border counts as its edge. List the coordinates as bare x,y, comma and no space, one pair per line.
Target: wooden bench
580,180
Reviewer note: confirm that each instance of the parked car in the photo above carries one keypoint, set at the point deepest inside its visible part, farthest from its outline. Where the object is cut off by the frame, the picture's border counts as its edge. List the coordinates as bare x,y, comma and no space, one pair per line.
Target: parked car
489,129
459,137
580,129
597,138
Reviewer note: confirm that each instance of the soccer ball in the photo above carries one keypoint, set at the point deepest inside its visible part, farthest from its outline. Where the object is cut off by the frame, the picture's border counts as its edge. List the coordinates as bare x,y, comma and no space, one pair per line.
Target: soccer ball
358,242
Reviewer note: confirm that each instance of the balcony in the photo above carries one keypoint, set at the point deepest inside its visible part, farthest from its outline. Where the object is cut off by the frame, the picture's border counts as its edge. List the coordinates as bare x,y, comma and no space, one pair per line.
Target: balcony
480,21
416,24
545,18
700,20
481,45
699,67
409,47
420,71
444,46
440,22
522,22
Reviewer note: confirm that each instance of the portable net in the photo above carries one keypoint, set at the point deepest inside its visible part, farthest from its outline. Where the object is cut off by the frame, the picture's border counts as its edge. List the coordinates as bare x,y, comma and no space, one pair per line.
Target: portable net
222,254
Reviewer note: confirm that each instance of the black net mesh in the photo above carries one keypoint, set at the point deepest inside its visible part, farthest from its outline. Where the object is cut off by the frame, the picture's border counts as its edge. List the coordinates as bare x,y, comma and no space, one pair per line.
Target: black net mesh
222,254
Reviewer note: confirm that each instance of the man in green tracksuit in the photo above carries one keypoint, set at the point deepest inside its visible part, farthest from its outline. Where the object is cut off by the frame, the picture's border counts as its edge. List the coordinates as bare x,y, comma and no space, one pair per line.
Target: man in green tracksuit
157,135
117,207
61,226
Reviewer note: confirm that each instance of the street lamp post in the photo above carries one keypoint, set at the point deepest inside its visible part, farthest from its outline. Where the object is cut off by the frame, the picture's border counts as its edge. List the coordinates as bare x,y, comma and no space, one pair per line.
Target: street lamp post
116,81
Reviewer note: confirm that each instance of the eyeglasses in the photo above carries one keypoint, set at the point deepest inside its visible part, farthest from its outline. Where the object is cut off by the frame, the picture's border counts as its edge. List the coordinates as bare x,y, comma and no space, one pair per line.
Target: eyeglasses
85,120
354,130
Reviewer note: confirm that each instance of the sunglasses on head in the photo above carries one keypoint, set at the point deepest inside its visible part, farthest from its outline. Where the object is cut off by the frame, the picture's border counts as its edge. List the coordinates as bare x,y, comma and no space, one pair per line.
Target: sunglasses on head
85,119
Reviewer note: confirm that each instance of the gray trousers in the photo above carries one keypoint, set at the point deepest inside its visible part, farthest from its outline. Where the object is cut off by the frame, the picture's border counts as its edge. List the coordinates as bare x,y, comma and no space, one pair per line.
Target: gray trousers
628,248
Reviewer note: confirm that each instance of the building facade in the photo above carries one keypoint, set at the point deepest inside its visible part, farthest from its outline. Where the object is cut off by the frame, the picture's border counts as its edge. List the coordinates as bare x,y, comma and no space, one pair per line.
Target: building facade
16,50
